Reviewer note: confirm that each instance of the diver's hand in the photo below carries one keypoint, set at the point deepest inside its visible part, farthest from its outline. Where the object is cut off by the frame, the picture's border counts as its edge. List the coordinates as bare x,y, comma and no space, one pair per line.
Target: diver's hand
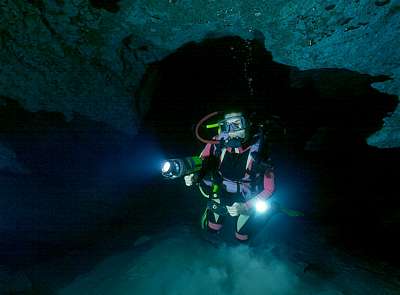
237,209
189,179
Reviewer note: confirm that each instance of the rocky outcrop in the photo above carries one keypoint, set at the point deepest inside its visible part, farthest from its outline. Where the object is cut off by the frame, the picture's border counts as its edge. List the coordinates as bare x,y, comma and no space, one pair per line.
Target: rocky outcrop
88,57
9,162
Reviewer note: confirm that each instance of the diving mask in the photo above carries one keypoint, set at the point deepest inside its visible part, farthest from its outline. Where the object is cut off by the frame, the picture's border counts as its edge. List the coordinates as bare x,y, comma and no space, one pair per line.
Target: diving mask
232,124
234,127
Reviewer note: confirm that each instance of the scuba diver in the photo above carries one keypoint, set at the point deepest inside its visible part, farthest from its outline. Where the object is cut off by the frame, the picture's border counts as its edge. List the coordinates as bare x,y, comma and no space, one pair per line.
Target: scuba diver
236,175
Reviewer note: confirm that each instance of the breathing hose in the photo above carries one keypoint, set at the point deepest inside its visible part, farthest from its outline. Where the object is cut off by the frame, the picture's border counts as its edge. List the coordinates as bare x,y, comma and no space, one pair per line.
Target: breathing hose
206,141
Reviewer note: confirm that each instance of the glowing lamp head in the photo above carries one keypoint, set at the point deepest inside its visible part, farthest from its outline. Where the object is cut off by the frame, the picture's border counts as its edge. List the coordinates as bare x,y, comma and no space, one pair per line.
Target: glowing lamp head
262,206
166,166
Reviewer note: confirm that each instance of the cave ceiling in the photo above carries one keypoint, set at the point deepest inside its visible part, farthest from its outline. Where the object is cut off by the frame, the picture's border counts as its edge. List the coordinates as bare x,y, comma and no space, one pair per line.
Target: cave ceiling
88,57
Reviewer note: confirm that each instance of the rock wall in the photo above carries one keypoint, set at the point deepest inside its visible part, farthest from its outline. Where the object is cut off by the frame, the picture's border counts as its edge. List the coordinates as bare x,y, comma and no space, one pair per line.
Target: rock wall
88,57
9,162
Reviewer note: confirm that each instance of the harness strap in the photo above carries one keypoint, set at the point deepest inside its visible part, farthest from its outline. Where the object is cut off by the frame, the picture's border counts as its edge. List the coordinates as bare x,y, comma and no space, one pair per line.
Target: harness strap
223,152
219,151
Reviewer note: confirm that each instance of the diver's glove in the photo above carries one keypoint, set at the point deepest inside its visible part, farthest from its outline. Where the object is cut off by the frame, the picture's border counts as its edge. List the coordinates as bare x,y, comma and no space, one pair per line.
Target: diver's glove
237,209
190,179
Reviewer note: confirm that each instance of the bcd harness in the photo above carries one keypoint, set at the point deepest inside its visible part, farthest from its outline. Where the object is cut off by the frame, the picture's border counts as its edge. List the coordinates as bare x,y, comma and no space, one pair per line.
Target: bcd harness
256,166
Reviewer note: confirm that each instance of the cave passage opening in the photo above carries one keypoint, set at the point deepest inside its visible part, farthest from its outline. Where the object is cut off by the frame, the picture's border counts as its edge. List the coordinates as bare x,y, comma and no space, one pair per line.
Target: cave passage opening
325,117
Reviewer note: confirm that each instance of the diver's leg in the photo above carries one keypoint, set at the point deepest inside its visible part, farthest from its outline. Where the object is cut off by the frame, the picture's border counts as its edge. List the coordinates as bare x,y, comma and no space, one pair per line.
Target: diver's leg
242,228
214,221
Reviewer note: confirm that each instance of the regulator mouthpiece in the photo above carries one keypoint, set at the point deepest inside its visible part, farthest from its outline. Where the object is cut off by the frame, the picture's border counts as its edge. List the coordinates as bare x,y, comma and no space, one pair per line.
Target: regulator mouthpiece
233,142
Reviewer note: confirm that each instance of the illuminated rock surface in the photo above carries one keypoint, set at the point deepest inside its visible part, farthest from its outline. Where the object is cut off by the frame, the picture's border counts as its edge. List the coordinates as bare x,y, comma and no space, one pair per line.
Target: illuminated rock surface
88,57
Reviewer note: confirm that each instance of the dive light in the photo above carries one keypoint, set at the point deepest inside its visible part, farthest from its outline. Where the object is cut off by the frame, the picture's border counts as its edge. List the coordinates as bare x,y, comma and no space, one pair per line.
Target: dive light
175,168
262,206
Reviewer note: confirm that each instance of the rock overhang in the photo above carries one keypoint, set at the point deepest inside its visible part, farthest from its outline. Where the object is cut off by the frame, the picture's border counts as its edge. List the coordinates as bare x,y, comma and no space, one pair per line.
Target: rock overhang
78,58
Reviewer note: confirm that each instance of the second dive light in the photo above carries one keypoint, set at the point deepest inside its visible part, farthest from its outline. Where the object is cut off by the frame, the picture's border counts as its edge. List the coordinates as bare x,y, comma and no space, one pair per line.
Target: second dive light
262,206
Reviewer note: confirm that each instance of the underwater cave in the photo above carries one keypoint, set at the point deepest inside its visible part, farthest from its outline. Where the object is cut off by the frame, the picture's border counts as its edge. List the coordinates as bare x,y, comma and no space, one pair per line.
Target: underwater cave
86,126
